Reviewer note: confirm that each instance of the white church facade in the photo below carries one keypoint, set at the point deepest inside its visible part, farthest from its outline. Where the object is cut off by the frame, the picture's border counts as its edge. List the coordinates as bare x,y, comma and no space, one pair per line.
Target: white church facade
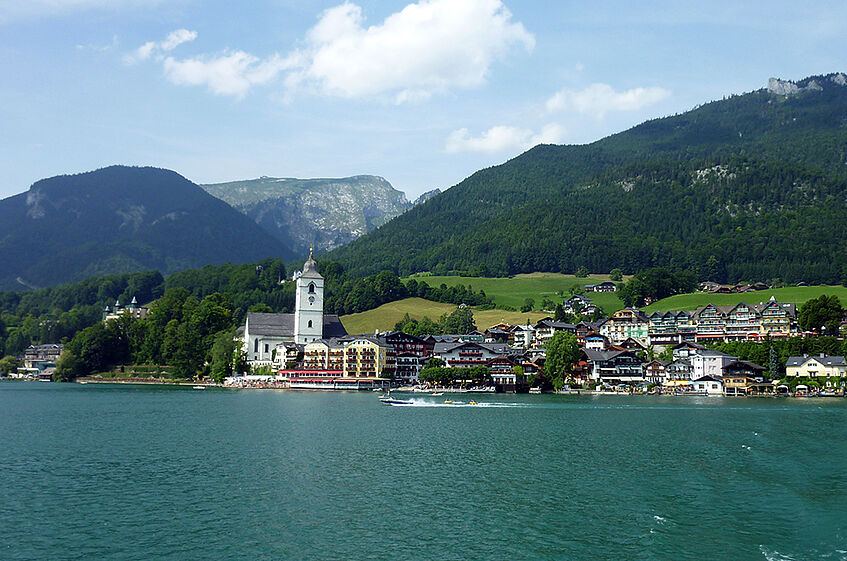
268,335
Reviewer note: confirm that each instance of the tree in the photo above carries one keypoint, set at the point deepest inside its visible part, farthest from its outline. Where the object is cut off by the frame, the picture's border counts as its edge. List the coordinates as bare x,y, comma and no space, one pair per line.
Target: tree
460,321
261,307
616,275
223,355
528,304
582,272
562,353
8,363
67,367
821,312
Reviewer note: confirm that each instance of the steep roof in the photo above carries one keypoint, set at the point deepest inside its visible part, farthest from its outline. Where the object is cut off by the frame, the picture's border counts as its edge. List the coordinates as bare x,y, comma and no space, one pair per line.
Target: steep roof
823,359
282,325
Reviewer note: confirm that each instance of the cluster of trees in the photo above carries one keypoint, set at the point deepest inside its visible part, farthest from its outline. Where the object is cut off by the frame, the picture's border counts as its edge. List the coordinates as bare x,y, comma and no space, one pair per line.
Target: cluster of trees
822,314
656,283
757,184
193,336
436,372
458,322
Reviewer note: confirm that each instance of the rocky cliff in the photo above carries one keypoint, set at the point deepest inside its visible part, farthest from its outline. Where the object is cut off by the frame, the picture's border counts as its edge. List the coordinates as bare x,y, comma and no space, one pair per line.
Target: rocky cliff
325,212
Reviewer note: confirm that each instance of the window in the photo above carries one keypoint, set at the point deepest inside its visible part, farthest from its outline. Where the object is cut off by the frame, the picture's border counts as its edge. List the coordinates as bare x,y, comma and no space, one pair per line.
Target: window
311,288
310,323
266,347
255,345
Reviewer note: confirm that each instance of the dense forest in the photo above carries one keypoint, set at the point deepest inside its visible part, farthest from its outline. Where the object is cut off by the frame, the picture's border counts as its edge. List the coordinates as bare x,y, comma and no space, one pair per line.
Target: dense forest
121,219
747,188
54,315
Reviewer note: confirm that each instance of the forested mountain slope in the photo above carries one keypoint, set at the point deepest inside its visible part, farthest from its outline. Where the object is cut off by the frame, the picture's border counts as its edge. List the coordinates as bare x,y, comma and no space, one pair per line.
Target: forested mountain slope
118,220
759,181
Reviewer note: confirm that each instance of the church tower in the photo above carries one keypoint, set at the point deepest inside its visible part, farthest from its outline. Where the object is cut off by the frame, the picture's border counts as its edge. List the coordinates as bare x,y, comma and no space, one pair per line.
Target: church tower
309,304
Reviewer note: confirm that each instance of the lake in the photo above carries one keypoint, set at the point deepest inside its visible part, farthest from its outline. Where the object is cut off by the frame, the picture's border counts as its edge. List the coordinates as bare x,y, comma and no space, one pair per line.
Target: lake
154,472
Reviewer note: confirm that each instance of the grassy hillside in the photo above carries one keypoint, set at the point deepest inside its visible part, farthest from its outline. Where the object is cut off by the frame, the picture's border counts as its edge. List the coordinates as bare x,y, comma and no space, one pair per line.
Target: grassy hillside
384,317
515,290
790,294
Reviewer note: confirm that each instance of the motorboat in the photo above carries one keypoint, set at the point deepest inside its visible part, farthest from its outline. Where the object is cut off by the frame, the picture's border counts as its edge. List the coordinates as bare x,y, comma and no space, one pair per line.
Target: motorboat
198,387
394,401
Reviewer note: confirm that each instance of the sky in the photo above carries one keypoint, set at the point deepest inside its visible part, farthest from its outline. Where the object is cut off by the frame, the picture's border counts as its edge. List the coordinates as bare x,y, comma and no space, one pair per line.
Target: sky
422,93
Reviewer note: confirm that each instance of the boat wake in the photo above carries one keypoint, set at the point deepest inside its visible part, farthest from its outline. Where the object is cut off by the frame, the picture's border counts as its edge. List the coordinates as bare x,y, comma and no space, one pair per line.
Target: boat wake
456,404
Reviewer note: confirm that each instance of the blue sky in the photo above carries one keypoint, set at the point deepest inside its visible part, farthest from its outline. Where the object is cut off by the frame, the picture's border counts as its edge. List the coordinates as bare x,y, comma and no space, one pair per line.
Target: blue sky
422,93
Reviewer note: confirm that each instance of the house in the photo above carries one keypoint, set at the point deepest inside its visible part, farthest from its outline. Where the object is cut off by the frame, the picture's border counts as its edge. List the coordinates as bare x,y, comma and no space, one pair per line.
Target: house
497,335
577,304
707,362
469,354
523,335
596,342
742,323
654,371
708,286
132,310
547,327
369,356
816,366
411,354
606,286
625,324
777,319
670,328
326,355
744,368
710,385
263,332
502,371
686,350
39,357
711,322
613,367
679,370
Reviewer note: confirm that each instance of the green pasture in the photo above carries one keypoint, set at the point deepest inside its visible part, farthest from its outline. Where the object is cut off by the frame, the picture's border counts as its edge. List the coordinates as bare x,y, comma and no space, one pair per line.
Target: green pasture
797,294
513,291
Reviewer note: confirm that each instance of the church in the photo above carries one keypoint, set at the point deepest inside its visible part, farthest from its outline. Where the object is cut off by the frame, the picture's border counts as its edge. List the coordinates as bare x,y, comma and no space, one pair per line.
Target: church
264,332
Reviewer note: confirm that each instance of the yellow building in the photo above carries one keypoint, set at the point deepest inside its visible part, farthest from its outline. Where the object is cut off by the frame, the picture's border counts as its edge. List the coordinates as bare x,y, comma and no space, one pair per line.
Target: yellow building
816,366
369,357
324,354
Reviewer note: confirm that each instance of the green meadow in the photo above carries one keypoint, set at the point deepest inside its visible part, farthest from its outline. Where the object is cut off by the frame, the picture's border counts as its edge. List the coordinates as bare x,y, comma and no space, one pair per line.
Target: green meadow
797,294
513,291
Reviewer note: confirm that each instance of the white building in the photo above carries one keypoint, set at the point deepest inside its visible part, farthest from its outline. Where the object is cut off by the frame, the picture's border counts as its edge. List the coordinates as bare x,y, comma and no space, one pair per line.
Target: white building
711,385
263,333
706,362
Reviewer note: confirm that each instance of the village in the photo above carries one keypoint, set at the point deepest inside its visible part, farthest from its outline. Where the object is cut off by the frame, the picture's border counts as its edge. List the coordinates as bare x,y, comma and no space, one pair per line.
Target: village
618,353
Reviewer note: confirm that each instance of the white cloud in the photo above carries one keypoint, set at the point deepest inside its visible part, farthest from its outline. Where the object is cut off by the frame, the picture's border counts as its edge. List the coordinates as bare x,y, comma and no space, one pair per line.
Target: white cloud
599,99
156,49
502,138
227,74
428,47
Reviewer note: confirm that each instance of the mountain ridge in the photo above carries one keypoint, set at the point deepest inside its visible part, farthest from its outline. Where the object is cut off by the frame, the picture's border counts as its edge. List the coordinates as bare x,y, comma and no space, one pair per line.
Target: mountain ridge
323,213
630,200
121,219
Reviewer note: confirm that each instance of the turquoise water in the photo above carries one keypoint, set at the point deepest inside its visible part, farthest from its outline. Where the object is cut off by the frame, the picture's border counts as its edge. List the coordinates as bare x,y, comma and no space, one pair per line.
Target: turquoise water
139,472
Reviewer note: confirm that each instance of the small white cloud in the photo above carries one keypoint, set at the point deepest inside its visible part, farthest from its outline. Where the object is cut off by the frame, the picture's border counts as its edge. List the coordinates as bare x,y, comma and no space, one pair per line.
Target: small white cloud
227,74
156,49
503,138
599,99
428,47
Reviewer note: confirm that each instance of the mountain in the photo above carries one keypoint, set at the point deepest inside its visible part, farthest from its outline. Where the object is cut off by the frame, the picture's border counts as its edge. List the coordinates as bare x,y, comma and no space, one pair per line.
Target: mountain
751,187
118,220
324,212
